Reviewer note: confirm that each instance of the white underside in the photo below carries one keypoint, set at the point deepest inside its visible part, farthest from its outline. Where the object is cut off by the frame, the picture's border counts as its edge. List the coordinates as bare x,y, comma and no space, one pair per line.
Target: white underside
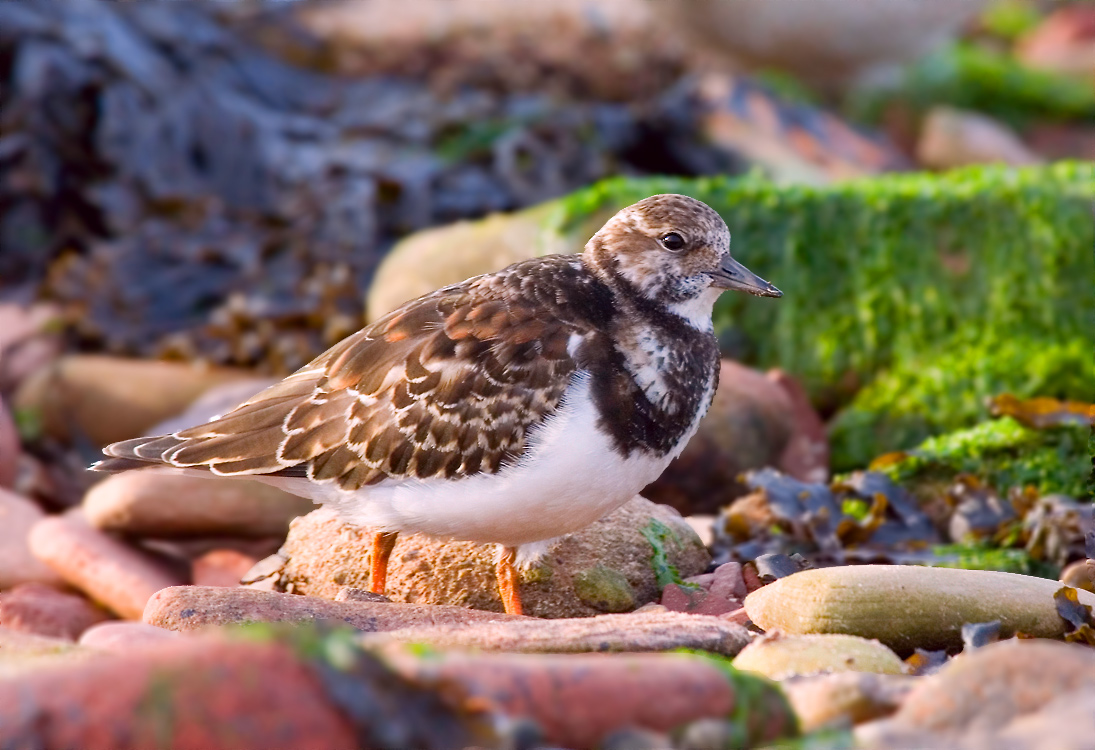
570,477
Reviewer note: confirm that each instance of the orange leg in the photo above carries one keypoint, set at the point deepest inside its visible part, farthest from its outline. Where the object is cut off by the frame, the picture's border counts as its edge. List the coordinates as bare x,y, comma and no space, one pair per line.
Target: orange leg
507,581
383,542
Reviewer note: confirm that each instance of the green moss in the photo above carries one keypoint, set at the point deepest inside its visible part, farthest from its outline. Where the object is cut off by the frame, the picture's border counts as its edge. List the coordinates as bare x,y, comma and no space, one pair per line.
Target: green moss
984,556
659,535
1004,454
1010,19
756,700
605,589
903,275
908,403
970,76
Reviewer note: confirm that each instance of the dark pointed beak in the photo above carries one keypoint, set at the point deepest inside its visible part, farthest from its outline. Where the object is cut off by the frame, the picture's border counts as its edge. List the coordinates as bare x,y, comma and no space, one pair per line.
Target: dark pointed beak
733,275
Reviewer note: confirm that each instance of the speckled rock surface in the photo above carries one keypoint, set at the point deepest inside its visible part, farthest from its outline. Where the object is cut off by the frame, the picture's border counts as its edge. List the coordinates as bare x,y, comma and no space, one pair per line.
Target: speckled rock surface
633,632
606,567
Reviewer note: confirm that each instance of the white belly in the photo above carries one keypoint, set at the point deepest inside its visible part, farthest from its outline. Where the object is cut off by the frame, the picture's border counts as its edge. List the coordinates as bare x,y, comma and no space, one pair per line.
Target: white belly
570,477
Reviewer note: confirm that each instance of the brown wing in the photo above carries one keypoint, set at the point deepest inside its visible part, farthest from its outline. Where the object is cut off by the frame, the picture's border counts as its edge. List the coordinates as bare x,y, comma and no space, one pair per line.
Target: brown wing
446,386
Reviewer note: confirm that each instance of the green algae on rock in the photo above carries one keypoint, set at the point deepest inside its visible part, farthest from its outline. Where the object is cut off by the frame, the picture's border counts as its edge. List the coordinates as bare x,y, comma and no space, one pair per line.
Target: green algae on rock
1004,454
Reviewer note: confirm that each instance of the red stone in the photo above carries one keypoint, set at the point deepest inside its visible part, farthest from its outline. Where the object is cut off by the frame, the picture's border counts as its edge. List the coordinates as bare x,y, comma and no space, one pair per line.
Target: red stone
193,694
578,699
806,456
40,609
105,568
221,567
695,601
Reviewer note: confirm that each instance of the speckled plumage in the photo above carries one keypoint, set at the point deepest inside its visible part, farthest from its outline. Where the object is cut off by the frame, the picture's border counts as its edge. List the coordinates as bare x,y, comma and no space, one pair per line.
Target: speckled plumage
613,349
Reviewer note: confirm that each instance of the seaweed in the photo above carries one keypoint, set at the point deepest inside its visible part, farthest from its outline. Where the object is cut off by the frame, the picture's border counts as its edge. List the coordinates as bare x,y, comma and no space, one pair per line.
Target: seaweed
1002,453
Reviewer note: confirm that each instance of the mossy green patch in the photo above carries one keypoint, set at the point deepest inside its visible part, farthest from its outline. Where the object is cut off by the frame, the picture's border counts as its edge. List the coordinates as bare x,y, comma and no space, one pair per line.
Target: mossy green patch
985,556
1004,454
757,700
939,392
952,287
605,589
976,77
659,535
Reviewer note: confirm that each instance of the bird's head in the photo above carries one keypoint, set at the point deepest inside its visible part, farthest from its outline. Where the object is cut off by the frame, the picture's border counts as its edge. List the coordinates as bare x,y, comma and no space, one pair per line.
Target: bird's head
673,250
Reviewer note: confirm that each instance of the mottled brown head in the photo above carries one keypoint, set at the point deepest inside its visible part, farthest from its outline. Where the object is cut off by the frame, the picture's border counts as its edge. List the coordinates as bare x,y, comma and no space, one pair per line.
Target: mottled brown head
674,250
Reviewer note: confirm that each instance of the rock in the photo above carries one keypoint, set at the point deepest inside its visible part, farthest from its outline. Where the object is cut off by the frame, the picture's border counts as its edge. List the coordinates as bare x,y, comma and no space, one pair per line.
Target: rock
1080,575
110,572
806,457
842,698
221,567
425,260
106,399
29,340
908,607
9,448
1064,42
324,554
704,526
17,565
828,43
953,138
749,426
21,653
634,632
696,601
779,656
125,636
994,684
162,504
717,593
579,699
133,700
789,141
192,607
43,610
981,699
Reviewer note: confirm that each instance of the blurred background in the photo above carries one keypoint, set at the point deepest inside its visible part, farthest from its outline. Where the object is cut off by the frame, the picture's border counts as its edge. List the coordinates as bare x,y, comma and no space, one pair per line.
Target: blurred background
198,196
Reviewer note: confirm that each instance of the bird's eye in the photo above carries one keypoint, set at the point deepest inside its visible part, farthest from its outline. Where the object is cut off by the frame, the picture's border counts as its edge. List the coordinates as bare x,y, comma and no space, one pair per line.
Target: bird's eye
672,241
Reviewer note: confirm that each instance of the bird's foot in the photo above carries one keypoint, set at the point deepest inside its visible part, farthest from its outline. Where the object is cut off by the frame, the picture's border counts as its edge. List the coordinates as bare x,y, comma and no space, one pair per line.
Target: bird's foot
383,542
507,581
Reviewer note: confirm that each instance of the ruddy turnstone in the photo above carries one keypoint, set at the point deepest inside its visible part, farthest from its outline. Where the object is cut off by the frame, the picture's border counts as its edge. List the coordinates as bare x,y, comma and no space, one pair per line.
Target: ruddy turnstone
512,408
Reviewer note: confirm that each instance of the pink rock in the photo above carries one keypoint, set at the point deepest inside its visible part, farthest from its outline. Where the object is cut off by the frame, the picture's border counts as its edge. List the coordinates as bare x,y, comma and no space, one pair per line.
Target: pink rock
696,601
192,693
9,448
26,342
17,565
954,138
124,636
106,569
221,567
806,456
1064,42
728,582
43,610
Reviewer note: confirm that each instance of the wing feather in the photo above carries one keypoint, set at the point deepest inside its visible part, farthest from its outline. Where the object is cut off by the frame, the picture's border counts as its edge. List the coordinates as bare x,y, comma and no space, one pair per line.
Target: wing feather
448,386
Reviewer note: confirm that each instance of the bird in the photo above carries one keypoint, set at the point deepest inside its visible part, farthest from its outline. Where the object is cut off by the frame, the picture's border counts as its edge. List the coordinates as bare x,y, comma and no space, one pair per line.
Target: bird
512,408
